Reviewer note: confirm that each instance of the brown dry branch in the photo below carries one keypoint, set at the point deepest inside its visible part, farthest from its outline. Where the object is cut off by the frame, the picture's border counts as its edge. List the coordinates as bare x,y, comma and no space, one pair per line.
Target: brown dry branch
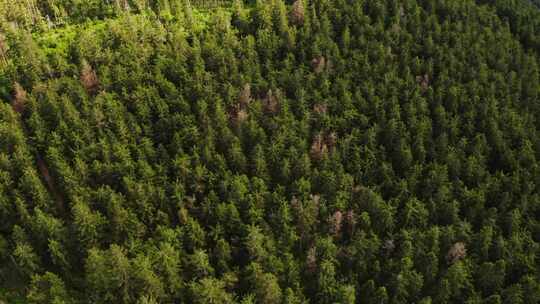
316,198
122,5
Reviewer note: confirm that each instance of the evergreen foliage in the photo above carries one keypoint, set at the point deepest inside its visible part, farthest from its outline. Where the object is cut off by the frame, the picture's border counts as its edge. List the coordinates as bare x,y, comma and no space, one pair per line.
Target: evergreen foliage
309,151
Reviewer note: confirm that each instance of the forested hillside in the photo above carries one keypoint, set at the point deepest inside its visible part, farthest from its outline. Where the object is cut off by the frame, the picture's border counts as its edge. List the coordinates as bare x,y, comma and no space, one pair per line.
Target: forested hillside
273,152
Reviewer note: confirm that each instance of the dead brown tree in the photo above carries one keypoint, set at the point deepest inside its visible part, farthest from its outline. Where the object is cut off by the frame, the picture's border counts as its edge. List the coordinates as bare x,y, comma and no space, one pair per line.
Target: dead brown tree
298,13
350,221
318,63
318,148
311,260
238,114
423,81
19,98
320,109
89,79
244,98
3,48
336,222
271,103
457,252
49,181
331,140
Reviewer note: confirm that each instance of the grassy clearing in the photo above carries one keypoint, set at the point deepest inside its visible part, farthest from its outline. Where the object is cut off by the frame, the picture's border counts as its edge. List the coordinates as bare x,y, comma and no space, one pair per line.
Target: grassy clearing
56,41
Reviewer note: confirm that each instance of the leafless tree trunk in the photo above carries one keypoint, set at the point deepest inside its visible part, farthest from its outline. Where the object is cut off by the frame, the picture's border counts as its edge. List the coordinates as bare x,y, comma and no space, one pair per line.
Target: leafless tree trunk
3,49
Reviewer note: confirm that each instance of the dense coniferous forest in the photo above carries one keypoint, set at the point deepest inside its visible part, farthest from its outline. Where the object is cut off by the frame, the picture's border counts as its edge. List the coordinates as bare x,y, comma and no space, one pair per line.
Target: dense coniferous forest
273,152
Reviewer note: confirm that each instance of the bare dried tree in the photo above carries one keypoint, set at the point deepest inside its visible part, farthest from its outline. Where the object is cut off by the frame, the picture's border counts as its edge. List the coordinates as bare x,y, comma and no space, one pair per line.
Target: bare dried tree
423,81
32,13
456,252
336,222
296,205
271,103
298,12
311,260
331,140
89,78
44,170
238,114
350,220
389,246
49,180
19,98
318,63
245,95
3,48
320,109
318,148
242,115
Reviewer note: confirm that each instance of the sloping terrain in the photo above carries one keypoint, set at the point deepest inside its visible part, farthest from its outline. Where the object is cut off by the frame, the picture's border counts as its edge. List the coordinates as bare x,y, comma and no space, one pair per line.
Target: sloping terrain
269,151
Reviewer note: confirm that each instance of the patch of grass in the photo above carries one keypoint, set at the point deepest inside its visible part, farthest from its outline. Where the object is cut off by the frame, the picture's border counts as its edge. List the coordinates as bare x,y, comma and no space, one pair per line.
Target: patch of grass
57,41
